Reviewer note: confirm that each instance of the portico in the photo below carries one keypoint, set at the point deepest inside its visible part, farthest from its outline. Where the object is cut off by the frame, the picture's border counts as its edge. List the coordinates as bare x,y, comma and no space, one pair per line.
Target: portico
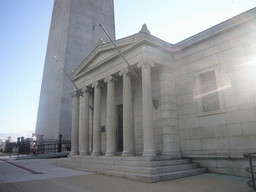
106,81
124,126
81,107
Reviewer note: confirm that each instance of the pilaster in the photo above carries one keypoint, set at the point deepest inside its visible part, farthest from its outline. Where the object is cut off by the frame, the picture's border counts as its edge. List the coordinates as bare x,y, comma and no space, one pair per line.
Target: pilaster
170,137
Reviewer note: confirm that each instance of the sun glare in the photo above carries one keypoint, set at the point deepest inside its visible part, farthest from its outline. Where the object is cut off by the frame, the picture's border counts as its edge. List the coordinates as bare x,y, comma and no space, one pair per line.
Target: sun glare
181,30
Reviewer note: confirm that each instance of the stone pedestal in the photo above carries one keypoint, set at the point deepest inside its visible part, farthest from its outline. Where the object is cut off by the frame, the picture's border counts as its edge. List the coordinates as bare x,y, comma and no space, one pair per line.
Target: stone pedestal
40,139
40,144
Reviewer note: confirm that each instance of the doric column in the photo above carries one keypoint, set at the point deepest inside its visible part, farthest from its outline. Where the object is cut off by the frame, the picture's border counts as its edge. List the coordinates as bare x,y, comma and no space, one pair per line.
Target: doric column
128,128
111,116
75,124
84,127
97,119
147,109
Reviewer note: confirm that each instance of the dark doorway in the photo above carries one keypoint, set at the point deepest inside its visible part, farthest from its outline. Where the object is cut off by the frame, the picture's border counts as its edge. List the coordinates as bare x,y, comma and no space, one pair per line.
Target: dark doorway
119,128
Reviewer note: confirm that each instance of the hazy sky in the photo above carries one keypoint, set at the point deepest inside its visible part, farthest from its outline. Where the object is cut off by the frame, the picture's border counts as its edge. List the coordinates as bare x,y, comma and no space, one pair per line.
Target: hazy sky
24,29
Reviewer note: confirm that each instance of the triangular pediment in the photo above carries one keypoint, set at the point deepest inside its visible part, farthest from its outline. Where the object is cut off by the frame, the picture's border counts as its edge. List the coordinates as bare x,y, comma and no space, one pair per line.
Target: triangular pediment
99,56
105,53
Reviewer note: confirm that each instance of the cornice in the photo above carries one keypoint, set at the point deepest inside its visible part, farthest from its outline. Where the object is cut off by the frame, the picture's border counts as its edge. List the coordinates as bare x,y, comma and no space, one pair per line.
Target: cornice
217,29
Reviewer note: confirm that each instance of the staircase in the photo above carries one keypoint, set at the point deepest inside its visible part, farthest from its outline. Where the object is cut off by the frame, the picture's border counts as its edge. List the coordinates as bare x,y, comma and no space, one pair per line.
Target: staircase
139,168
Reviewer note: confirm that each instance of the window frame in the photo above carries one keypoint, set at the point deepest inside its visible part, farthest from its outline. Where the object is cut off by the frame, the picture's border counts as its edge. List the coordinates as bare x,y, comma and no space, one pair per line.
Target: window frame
198,92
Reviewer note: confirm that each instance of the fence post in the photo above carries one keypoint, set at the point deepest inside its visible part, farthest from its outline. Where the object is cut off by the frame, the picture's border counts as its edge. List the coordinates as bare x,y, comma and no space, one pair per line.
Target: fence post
40,144
60,143
18,145
6,148
18,141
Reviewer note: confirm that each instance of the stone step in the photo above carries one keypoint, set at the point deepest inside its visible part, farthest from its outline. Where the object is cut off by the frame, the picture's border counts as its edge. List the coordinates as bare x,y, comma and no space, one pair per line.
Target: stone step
120,168
153,170
130,158
134,163
146,171
157,177
153,163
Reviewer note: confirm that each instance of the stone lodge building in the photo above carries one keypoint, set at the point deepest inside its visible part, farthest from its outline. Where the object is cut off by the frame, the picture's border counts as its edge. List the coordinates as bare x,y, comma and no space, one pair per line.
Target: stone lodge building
196,100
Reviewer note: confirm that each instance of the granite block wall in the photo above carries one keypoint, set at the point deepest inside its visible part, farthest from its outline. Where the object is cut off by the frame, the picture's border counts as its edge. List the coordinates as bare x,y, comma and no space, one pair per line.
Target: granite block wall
230,130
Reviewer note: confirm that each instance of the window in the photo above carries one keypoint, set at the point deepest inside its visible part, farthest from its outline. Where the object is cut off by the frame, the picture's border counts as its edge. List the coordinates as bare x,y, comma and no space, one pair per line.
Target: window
209,92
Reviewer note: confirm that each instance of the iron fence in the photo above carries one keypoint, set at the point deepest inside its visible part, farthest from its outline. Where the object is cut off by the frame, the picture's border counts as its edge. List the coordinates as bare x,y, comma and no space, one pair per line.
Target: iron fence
251,169
53,146
26,147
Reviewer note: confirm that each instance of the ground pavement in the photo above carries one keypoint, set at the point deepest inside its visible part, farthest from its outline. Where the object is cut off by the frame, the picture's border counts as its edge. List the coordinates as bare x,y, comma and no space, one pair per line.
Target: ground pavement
40,175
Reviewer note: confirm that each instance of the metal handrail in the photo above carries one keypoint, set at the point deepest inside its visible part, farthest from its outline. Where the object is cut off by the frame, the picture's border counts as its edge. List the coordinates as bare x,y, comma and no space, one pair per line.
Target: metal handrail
250,156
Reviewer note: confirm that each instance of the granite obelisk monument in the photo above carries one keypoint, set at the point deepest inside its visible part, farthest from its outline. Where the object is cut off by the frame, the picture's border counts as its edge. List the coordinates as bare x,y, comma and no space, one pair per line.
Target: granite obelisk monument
74,33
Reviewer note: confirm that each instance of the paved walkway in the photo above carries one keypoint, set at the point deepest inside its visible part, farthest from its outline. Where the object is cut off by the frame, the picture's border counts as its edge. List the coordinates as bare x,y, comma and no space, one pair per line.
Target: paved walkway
54,178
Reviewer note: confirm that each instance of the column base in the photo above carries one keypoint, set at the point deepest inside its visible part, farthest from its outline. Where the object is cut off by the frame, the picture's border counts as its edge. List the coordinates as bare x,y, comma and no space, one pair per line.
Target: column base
96,154
84,153
149,153
110,154
126,153
174,155
74,153
166,153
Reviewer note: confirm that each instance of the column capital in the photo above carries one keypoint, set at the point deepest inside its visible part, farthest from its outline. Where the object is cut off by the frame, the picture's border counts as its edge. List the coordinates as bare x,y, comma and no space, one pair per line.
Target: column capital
77,93
144,64
110,78
86,90
125,71
97,84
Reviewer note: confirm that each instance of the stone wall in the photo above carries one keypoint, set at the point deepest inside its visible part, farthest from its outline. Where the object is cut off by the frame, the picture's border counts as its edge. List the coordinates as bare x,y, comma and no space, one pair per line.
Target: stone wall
225,166
231,128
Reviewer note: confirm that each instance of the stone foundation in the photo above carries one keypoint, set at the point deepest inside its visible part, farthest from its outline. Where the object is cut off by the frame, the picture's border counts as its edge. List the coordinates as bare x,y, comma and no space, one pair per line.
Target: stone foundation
139,168
223,164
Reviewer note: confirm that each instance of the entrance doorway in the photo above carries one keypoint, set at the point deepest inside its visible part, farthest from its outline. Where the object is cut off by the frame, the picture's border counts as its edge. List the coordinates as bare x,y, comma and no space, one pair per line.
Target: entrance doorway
119,110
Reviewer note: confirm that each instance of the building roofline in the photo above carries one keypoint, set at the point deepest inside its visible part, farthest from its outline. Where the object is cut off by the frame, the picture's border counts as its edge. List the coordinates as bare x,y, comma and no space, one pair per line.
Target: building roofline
219,28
